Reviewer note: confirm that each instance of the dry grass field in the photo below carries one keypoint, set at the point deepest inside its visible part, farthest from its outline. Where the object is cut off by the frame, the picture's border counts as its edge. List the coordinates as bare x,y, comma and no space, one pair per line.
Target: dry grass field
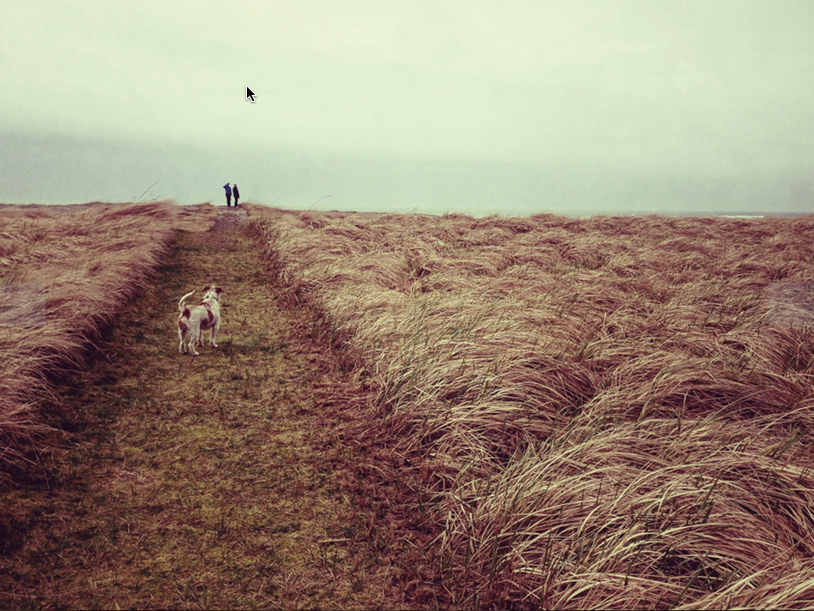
64,271
607,412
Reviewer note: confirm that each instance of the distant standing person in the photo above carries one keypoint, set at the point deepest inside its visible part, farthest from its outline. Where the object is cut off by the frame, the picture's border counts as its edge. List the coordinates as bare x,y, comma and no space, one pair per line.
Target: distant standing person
236,193
228,194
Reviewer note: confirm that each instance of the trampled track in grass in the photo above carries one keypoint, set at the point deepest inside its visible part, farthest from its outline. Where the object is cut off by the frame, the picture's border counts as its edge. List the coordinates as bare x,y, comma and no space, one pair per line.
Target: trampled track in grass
223,481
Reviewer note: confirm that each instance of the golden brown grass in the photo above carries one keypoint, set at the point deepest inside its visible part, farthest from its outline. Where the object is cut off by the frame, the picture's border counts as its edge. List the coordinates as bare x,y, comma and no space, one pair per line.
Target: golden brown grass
64,272
610,412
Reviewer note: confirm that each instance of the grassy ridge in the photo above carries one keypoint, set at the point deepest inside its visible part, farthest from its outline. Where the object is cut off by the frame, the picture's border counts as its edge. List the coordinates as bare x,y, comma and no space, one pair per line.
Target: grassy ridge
64,272
611,412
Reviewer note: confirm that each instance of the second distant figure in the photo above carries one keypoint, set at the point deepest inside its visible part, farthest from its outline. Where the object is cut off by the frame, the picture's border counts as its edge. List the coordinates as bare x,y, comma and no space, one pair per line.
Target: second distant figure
228,194
235,192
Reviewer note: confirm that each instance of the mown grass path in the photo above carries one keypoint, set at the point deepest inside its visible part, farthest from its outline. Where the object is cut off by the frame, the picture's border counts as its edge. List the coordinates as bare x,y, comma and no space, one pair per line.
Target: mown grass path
211,482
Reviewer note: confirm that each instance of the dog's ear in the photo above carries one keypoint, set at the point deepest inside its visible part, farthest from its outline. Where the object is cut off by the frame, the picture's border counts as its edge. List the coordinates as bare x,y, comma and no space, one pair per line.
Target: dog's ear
206,288
218,290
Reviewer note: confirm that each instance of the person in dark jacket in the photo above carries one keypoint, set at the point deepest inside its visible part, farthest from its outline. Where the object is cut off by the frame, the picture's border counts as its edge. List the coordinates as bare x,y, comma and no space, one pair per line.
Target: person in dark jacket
236,193
228,194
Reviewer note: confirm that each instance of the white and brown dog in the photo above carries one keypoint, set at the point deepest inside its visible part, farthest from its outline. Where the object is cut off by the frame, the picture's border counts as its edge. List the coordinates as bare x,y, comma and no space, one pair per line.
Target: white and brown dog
198,318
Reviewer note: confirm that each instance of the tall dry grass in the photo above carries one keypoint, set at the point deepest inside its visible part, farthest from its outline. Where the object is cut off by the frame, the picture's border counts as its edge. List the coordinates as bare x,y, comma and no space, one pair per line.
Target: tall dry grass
610,412
64,272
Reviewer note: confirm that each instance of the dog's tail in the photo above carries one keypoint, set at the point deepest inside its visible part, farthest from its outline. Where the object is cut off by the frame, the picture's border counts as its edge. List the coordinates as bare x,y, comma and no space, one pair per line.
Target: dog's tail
181,303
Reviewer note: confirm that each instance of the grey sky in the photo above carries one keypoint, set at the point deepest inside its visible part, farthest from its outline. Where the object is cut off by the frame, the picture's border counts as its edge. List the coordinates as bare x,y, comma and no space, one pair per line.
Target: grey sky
603,92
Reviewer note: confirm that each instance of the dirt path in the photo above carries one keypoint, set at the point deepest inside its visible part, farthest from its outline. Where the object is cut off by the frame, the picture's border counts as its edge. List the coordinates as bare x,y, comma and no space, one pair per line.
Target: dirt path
222,481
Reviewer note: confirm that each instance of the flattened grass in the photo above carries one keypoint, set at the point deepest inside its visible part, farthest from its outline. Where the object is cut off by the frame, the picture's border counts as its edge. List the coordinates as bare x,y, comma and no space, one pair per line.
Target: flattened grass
64,272
610,412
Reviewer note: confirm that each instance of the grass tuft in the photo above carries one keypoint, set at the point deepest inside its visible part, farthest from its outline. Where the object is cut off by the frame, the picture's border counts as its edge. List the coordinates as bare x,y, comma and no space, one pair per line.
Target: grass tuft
64,273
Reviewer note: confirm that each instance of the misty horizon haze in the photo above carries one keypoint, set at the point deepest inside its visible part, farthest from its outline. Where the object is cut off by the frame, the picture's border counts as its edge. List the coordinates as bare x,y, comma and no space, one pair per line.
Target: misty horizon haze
476,107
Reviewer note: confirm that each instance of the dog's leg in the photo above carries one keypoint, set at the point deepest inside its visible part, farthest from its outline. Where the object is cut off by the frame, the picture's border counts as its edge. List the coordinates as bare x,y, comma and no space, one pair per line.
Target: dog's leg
195,338
182,332
212,337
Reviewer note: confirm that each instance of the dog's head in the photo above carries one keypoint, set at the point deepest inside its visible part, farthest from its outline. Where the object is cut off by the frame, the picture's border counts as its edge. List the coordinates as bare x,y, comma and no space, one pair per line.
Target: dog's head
212,292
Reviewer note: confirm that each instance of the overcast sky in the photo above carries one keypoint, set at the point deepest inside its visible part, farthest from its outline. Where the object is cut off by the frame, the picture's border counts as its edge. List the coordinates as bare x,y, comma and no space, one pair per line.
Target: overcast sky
615,105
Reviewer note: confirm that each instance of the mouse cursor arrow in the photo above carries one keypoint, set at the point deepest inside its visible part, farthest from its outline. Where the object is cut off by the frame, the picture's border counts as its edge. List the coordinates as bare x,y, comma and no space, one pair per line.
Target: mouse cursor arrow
250,94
